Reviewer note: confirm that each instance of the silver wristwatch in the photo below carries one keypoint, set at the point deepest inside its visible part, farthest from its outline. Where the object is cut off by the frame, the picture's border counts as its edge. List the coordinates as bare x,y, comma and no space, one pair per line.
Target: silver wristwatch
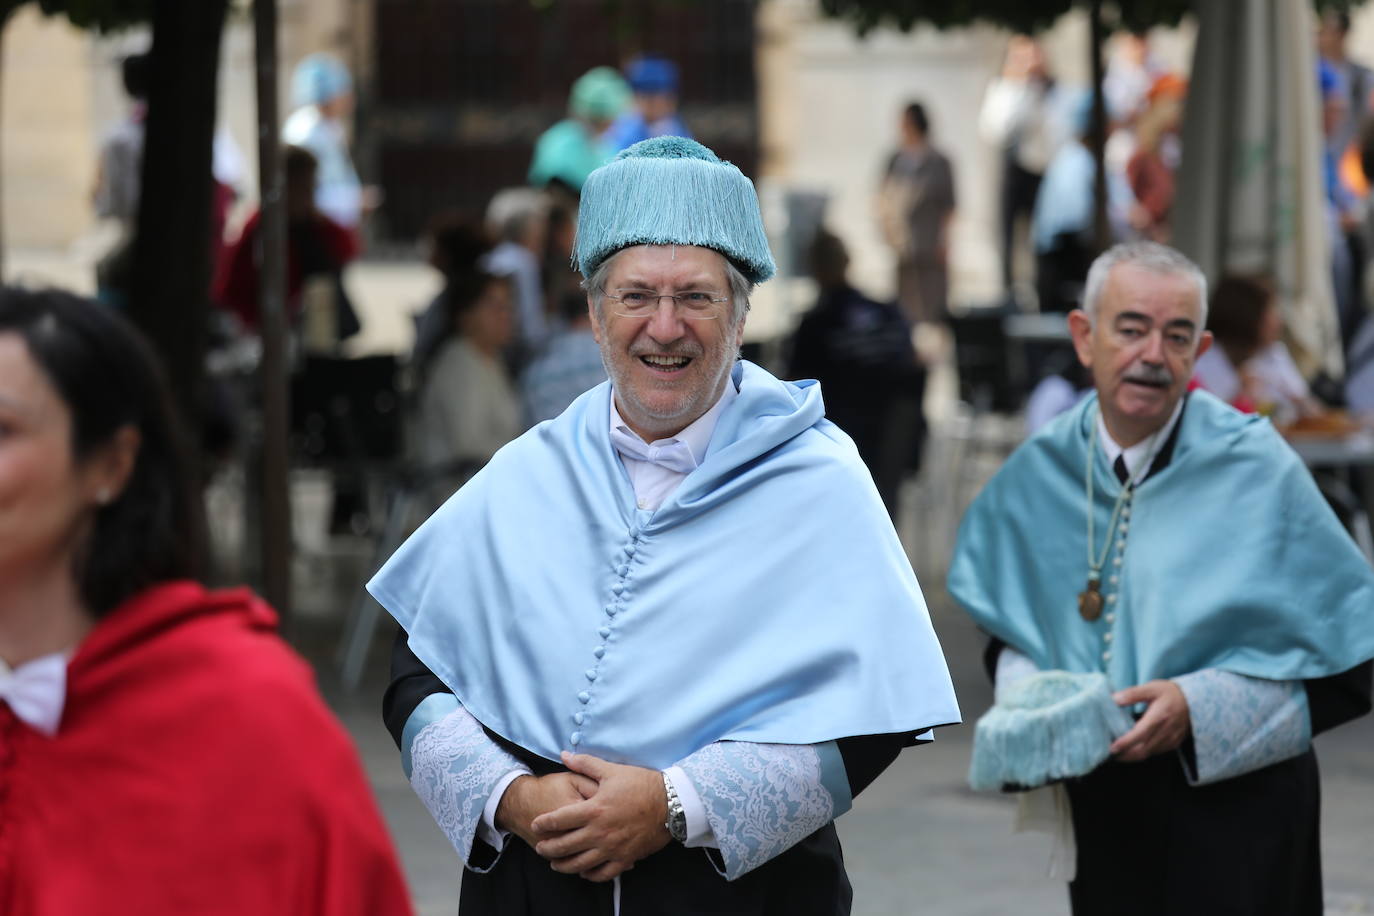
677,817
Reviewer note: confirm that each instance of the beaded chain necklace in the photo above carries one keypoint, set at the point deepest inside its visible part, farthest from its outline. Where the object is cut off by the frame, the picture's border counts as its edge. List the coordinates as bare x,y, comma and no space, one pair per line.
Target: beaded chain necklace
1090,600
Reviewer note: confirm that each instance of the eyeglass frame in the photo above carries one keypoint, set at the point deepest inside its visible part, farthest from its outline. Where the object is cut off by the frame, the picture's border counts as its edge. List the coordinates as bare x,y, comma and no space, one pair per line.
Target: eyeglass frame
680,308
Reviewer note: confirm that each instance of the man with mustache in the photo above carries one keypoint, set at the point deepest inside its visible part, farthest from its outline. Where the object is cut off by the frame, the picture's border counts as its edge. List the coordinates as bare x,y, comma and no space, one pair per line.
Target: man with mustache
1181,549
655,647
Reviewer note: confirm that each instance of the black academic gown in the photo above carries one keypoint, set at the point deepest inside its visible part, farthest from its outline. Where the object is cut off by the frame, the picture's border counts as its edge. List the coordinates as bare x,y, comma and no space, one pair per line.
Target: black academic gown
1150,844
807,880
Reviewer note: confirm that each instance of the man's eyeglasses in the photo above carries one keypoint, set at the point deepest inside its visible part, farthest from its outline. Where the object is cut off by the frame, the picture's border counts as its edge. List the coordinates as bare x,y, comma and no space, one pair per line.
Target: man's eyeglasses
641,303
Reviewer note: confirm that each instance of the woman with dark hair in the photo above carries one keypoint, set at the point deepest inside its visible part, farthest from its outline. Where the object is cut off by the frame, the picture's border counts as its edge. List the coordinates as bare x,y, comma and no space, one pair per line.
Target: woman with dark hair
1250,366
161,750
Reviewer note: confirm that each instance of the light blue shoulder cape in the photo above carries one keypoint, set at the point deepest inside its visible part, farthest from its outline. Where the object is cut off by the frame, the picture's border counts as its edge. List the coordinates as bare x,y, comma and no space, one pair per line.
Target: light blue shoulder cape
1233,559
767,600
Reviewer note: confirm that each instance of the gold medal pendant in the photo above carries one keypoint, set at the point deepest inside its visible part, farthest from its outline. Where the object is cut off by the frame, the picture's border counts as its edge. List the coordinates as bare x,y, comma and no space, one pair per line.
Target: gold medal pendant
1090,601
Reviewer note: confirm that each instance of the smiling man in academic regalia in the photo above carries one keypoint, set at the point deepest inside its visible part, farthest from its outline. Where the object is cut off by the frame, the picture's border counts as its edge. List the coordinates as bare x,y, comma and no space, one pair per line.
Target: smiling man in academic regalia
672,629
1180,548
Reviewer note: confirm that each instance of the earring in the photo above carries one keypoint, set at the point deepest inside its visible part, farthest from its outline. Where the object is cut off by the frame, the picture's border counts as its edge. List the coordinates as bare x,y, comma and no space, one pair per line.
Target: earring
103,497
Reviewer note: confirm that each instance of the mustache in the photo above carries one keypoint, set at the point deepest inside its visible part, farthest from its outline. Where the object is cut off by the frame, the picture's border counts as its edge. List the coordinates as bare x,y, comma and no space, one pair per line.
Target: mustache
1149,375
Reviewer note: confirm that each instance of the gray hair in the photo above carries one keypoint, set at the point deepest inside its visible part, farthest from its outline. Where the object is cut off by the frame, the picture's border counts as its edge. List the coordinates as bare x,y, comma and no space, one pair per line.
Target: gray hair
511,210
740,287
1151,256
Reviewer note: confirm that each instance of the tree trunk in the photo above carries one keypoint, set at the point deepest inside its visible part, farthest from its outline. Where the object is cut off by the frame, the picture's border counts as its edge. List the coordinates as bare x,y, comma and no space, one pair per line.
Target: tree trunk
1102,232
169,293
4,21
275,517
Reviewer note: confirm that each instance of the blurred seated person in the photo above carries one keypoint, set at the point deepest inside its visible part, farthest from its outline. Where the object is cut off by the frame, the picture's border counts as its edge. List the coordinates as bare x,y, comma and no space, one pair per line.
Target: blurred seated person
317,250
1065,384
861,353
1249,366
165,752
453,242
569,365
518,219
467,406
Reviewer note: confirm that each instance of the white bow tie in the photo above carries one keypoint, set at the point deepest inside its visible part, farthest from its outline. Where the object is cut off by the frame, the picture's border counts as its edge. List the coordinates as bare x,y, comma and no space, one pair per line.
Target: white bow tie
36,691
675,456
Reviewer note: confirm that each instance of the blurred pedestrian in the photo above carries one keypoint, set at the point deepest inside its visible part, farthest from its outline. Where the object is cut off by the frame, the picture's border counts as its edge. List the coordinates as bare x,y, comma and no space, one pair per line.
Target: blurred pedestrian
1021,118
1062,226
1343,210
119,182
915,210
317,249
165,752
1149,171
322,93
860,351
1333,32
654,81
566,153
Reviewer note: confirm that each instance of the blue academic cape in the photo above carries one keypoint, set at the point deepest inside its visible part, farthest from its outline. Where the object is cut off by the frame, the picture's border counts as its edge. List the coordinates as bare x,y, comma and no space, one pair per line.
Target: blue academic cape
768,599
1233,559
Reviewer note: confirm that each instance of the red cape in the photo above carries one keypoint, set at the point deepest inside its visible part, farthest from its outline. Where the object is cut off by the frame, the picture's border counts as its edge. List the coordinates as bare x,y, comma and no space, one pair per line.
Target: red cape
196,771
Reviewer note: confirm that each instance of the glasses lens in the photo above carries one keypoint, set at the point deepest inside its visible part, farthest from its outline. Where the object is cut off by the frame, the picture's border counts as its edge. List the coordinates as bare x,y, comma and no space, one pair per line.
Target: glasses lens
640,303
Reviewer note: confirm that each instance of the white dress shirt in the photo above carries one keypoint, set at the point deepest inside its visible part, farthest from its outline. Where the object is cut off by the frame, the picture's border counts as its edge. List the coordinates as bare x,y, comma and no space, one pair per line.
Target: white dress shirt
1142,454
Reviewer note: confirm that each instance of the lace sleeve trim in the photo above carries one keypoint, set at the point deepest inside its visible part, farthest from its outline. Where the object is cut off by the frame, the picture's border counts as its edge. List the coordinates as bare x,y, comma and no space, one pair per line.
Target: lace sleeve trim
1243,723
761,799
454,768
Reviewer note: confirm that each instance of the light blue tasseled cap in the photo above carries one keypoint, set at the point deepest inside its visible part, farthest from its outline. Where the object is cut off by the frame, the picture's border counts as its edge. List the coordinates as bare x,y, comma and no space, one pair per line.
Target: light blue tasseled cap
671,191
319,78
1045,727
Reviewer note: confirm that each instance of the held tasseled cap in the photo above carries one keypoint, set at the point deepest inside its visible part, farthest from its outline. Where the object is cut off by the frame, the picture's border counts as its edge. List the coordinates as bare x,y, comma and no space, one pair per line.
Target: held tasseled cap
671,191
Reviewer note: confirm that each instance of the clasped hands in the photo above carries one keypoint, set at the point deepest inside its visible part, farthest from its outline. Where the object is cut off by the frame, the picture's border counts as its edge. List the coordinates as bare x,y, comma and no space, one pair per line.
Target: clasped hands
596,820
1163,727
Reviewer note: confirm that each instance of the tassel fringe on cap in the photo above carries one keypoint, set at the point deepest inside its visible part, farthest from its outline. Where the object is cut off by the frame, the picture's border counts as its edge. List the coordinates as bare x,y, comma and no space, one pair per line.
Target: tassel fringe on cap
671,191
1048,726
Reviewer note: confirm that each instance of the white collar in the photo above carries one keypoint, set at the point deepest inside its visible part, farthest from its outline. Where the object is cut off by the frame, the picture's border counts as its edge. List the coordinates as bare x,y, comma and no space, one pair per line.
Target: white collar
1142,454
696,436
36,691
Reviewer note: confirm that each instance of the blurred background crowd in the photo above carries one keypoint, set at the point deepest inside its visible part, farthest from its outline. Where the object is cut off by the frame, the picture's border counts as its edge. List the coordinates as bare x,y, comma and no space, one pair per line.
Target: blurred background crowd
934,200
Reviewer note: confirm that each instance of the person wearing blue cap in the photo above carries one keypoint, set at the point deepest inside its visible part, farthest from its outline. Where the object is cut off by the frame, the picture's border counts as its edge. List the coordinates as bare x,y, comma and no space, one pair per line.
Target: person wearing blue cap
655,85
1174,611
322,93
569,151
658,644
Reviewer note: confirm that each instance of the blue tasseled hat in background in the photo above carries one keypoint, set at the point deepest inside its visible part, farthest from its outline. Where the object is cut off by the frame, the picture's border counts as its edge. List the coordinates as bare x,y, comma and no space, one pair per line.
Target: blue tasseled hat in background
1048,726
671,191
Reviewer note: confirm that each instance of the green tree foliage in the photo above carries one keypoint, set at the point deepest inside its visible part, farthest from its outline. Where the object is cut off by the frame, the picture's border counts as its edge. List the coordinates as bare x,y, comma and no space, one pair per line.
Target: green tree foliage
1017,15
96,15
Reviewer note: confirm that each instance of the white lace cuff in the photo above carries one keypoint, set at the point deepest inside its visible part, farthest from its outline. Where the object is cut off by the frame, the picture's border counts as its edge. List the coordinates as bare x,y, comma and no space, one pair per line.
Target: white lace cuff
762,799
1242,723
455,767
